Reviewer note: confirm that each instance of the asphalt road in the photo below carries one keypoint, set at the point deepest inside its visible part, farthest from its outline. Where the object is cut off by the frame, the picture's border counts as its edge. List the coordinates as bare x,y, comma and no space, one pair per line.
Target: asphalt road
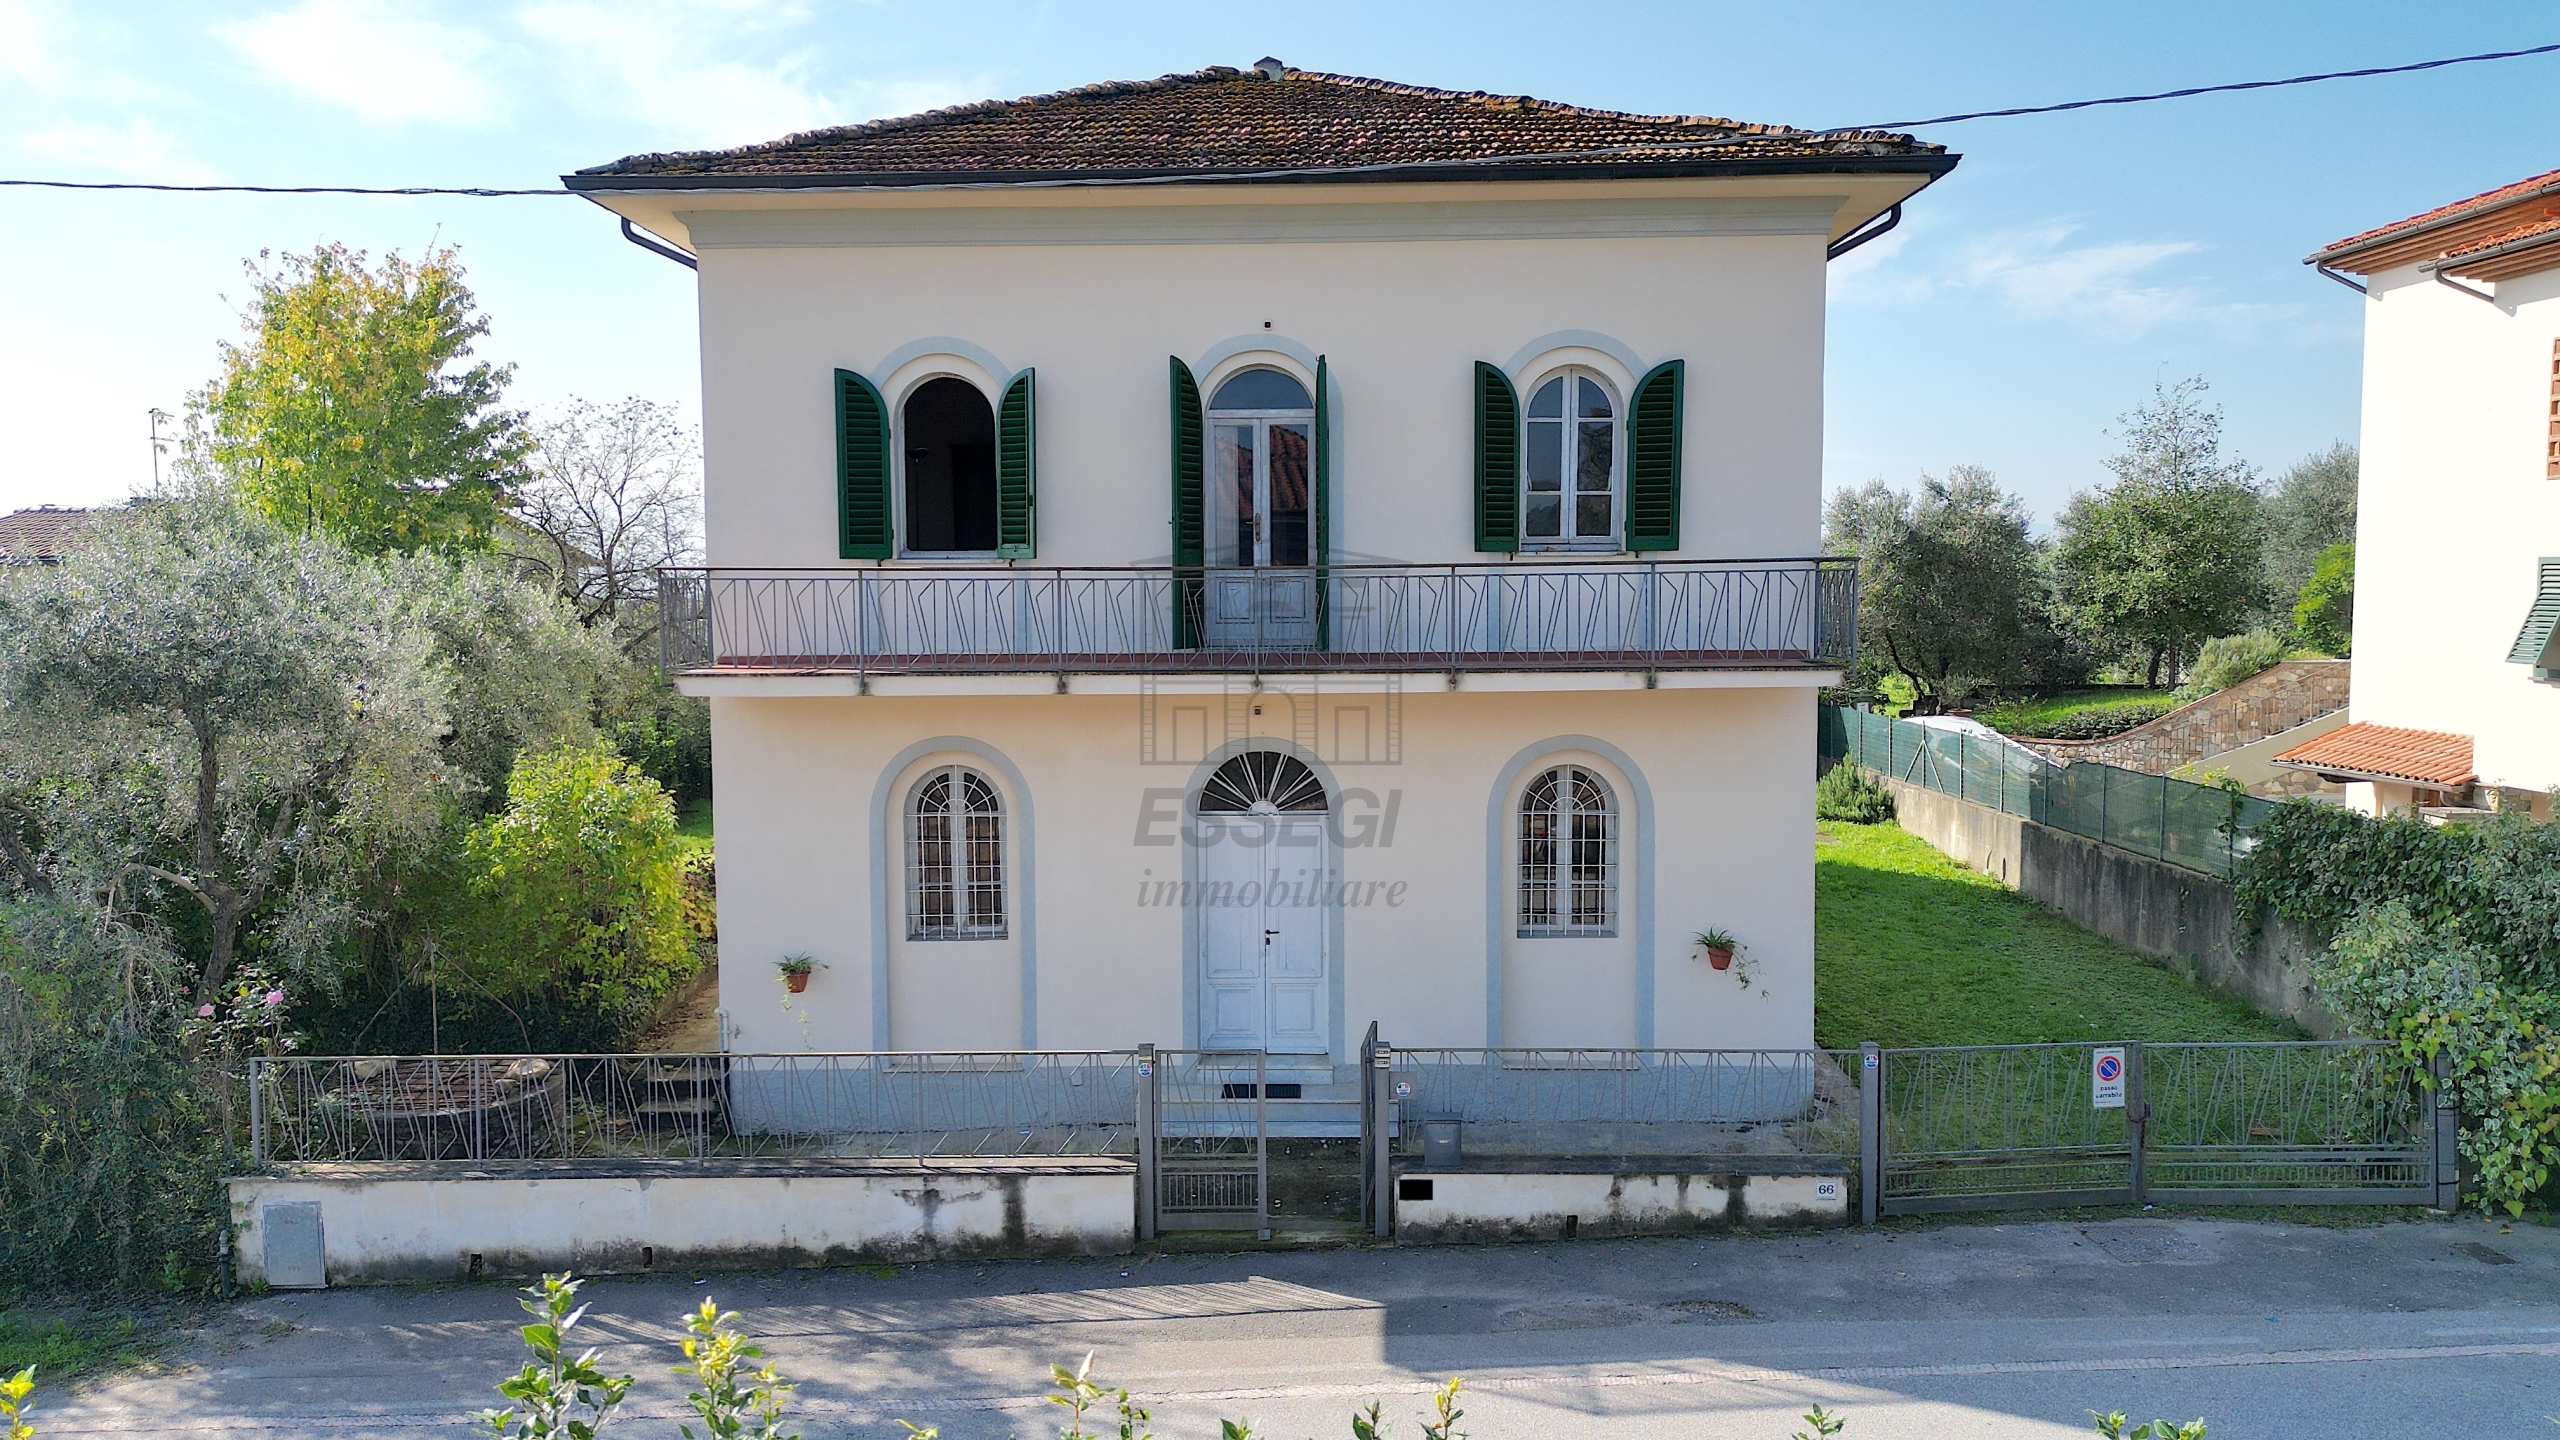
2403,1329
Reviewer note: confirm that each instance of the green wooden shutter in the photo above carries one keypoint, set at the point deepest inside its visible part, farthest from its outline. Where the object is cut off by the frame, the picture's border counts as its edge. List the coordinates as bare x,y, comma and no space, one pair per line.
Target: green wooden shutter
1497,460
862,471
1017,450
1320,516
1190,517
2541,626
1653,459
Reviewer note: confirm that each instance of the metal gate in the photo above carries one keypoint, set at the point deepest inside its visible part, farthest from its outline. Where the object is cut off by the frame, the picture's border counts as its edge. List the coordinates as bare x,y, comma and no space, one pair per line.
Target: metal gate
2257,1123
1205,1139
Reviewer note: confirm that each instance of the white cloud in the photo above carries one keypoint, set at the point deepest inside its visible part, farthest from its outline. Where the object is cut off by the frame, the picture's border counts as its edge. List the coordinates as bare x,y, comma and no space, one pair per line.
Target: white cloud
375,61
2039,273
24,51
140,150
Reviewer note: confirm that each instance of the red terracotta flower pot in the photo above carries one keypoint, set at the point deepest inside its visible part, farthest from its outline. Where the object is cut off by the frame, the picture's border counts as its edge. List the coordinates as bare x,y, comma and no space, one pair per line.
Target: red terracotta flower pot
1720,956
799,982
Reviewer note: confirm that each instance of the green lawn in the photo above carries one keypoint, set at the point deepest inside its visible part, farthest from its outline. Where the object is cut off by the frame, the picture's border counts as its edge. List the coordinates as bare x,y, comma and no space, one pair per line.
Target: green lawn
693,825
67,1344
1913,949
2040,716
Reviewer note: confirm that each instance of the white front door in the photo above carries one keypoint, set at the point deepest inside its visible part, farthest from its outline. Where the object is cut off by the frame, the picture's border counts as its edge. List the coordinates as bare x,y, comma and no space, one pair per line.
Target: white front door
1259,906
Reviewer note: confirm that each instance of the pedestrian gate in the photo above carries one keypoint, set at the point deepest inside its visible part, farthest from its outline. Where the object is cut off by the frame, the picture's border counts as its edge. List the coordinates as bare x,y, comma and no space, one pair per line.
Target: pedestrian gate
1204,1140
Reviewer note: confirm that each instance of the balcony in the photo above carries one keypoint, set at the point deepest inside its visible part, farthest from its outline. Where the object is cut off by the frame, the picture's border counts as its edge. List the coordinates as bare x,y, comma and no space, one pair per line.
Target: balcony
1588,615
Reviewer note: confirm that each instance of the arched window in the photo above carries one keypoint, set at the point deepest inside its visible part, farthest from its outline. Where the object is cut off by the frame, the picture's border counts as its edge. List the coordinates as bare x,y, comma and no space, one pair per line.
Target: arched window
1261,435
1568,855
1261,778
948,438
1572,469
955,857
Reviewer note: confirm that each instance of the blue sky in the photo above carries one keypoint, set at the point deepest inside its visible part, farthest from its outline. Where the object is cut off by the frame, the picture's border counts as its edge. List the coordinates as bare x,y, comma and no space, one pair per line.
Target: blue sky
2028,300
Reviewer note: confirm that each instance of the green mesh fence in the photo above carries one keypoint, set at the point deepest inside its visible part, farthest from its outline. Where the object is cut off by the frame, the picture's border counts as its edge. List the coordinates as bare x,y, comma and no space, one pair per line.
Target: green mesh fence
2199,827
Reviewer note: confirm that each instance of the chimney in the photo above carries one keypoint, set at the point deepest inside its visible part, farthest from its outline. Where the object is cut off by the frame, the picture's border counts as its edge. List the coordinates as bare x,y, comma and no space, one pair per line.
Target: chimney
1270,68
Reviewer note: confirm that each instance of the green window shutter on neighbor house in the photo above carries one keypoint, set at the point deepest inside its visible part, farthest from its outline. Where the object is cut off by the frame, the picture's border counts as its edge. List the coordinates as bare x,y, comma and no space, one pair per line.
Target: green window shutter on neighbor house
862,471
2538,644
1017,453
1190,517
1653,459
1497,461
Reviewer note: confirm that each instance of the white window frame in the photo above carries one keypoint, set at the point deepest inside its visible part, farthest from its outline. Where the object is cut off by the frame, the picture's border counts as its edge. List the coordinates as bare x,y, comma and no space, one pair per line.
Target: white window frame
1569,452
898,465
1577,897
962,874
1261,422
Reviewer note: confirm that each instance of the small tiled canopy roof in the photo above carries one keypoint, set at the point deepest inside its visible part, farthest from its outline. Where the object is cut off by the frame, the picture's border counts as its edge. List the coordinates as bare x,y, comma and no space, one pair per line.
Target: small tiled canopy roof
1259,122
42,534
2493,235
2386,752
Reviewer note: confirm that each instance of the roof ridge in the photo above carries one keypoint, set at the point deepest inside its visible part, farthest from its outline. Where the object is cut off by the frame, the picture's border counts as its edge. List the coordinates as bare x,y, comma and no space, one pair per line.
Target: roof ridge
2412,226
1492,100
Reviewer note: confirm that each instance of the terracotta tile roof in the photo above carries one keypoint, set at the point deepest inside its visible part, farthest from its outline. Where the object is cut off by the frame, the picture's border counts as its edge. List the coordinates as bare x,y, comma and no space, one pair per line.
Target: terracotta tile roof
2421,757
2465,226
41,534
1221,121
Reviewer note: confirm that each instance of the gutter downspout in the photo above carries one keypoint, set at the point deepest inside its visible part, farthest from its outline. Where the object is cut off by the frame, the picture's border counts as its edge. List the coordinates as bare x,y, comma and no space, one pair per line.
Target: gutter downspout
655,248
1863,233
2436,270
2342,278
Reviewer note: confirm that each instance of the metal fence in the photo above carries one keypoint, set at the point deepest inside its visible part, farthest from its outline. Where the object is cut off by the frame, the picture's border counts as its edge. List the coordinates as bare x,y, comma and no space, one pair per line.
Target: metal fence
1626,1106
483,1108
2321,1122
2199,827
1697,614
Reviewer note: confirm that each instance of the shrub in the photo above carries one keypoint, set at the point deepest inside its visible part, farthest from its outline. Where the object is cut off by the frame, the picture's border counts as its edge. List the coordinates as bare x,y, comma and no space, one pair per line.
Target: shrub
2100,722
1848,793
2324,612
2233,658
574,897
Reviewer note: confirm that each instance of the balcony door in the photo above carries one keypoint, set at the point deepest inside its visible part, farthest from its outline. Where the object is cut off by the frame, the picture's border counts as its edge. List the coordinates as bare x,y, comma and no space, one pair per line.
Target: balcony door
1261,589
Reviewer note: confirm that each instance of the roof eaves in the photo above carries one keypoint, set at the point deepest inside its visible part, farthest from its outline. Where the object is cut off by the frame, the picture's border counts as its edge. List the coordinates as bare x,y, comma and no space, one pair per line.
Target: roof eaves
2408,230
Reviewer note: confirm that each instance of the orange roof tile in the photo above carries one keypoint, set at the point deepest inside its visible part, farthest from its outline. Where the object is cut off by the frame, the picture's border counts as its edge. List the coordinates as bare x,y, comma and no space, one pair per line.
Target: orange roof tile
2485,200
2387,752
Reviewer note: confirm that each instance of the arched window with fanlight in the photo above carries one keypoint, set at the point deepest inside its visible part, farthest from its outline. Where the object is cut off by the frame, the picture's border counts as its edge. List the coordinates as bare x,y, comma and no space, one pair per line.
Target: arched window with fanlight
1261,779
1568,855
955,857
1570,497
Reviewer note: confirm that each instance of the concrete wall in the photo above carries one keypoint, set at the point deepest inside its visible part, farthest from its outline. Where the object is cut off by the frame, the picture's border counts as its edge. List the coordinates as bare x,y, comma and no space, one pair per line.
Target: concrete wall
2453,513
2164,911
1471,1206
416,1222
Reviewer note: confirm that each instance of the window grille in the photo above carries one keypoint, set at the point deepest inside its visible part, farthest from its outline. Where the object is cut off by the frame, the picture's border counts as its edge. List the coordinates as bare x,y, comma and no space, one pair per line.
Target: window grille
955,858
1568,855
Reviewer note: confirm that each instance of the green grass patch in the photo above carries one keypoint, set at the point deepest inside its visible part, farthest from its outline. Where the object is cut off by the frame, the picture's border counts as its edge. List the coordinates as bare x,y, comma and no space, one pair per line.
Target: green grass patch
2078,714
64,1345
693,824
1913,949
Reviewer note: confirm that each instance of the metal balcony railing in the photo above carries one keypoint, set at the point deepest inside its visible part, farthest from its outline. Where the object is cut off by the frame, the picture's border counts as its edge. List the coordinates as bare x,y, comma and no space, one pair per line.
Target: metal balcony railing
1579,615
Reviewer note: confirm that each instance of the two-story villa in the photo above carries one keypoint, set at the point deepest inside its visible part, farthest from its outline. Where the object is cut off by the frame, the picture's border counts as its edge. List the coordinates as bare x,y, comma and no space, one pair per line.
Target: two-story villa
1224,559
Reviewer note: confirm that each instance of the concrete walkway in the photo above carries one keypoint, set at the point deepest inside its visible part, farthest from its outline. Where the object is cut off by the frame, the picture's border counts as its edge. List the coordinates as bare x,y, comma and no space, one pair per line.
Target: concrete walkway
1974,1330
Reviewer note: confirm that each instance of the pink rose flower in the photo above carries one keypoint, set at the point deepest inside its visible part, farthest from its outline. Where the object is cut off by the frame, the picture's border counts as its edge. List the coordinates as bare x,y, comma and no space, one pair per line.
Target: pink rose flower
204,1012
274,998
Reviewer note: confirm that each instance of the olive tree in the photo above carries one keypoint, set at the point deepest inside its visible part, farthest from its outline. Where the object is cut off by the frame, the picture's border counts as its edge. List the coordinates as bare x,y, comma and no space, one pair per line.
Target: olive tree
1950,590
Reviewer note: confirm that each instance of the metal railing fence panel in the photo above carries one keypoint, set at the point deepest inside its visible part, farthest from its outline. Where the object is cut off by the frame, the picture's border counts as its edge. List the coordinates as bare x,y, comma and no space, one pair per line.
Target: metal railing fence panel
480,1109
1212,1154
1538,615
2282,1122
1630,1105
1978,1126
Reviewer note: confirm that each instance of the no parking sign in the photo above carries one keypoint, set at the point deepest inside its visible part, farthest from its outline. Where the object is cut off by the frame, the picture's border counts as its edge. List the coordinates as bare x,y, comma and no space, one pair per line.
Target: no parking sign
2106,1078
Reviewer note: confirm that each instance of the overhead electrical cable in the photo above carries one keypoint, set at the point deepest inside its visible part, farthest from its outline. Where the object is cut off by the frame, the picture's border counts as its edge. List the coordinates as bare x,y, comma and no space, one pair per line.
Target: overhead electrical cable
493,192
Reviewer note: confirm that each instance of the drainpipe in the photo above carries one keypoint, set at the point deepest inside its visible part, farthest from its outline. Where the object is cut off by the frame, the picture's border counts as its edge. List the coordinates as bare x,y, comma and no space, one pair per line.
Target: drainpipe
2342,278
2437,271
655,248
1863,234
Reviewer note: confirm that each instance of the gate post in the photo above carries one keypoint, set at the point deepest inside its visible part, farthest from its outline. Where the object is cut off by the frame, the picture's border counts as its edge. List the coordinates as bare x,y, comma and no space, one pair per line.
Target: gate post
1149,1122
2137,1117
1380,1078
2447,1133
1870,1132
1262,1131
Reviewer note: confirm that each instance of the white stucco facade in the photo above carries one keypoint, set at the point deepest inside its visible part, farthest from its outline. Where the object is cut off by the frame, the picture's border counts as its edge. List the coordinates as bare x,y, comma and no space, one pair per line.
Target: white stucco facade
2454,516
1408,909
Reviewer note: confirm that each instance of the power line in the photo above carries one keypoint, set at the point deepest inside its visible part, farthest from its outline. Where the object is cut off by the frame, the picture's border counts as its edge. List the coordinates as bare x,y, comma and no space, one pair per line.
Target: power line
491,192
2203,90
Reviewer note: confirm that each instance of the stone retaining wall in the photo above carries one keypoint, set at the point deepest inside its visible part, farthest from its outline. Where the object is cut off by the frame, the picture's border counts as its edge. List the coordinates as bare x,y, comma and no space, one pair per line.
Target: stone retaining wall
2278,698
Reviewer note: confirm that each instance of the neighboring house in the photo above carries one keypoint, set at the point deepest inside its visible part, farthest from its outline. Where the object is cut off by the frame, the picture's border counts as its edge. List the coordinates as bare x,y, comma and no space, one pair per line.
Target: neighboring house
2456,696
1224,559
41,536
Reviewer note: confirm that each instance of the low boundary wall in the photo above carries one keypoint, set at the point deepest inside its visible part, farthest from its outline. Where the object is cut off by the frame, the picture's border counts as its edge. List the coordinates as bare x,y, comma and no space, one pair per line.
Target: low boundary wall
1482,1203
387,1222
2165,911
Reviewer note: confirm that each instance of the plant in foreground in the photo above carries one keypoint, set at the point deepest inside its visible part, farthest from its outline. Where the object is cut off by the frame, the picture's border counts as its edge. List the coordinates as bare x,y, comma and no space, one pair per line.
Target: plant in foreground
2113,1425
560,1398
718,1354
14,1406
1825,1424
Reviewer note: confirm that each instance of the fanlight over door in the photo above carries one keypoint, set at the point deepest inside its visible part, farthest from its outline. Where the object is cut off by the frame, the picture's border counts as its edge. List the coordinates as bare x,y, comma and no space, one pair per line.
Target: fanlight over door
1259,907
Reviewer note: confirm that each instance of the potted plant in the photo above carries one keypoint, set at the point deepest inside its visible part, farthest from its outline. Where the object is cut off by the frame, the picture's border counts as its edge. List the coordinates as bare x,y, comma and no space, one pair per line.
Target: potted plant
1719,945
795,972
